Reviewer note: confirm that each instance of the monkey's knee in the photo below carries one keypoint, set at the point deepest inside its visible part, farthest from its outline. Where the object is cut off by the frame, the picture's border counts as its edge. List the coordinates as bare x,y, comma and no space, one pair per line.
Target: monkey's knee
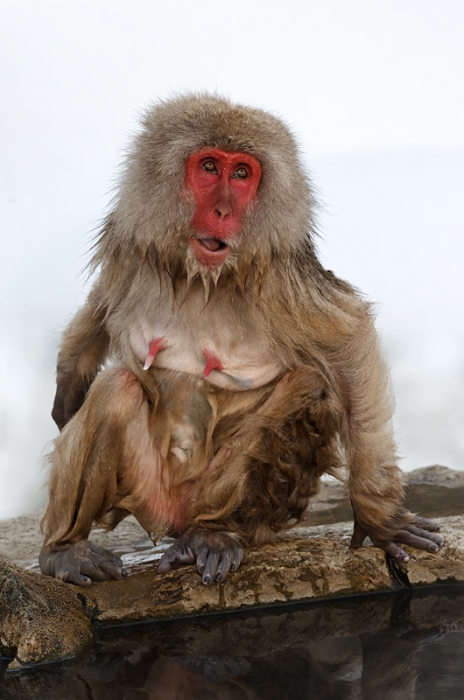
116,393
305,389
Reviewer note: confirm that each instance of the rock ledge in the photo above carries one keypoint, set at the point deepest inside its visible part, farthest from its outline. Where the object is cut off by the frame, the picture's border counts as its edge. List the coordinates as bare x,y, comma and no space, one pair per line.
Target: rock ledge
42,619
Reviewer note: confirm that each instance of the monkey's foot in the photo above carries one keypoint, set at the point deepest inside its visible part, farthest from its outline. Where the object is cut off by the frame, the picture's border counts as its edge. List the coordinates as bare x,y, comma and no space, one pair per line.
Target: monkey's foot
417,532
215,554
82,563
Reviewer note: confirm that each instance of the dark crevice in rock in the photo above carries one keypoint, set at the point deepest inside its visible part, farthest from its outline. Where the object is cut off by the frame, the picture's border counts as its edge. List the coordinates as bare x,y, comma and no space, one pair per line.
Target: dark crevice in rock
398,573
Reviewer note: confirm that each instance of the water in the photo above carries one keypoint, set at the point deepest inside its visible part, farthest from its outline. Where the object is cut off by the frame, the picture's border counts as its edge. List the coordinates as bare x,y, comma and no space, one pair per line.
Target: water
386,647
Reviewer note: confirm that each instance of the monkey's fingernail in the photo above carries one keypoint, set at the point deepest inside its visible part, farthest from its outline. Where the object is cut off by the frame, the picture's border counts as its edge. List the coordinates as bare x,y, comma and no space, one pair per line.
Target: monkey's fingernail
233,566
218,577
206,580
201,569
434,548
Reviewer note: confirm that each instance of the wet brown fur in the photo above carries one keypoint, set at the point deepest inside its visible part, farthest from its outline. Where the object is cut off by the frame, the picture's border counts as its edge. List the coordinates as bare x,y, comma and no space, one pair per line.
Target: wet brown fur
332,408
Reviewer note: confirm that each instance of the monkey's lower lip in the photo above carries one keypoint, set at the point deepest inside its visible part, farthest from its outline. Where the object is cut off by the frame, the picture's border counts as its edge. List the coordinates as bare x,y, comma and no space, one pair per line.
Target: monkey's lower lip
213,245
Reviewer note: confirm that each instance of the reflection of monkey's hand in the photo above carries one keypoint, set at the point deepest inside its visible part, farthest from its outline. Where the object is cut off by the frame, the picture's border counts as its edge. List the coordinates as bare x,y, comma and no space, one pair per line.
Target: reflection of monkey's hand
416,532
215,554
81,563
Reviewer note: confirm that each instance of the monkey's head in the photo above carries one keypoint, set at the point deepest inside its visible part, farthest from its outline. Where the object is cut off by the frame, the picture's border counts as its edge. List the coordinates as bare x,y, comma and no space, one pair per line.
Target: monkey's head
211,188
224,185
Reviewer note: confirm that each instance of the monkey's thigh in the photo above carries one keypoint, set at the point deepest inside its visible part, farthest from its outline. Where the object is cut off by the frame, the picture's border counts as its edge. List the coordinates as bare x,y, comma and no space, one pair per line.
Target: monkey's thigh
104,461
264,475
299,425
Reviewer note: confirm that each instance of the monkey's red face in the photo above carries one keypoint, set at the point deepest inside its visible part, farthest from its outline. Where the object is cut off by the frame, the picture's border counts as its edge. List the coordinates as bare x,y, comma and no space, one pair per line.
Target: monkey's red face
224,185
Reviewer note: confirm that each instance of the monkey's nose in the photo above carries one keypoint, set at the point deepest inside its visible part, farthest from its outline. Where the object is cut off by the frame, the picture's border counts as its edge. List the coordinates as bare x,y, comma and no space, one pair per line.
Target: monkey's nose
223,210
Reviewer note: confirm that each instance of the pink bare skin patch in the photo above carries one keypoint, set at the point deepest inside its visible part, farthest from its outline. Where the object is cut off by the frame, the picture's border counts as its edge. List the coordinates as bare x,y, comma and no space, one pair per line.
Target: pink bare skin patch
154,347
212,362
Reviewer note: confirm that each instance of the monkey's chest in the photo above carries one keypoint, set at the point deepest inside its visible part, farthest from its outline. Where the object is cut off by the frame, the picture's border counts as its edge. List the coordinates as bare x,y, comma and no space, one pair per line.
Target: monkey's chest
217,357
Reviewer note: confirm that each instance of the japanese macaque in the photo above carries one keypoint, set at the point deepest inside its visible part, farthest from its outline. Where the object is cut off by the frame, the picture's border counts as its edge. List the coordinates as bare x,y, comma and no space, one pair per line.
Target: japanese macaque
217,370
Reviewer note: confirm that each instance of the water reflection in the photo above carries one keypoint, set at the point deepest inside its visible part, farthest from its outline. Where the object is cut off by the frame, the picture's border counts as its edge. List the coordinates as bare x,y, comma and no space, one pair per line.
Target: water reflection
275,656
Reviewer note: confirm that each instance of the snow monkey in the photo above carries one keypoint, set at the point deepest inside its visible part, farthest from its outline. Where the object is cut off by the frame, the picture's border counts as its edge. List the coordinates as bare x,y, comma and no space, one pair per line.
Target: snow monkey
216,370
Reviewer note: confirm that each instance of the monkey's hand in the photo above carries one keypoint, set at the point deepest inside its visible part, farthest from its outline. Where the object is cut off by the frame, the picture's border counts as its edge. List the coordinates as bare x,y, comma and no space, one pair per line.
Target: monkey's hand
69,398
215,554
81,563
416,532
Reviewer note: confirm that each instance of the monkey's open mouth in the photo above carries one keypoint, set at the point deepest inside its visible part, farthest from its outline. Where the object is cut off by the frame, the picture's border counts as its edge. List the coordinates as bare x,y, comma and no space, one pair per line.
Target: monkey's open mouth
212,244
209,250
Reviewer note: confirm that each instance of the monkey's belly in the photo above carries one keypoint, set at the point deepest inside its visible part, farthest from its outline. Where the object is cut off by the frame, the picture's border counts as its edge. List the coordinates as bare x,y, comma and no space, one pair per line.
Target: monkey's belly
245,367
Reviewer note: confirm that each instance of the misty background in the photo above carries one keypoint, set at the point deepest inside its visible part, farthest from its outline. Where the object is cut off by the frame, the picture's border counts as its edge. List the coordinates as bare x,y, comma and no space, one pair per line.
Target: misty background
374,91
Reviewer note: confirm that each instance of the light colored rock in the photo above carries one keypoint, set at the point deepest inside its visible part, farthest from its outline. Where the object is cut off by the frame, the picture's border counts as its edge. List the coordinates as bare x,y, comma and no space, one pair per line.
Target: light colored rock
41,619
308,564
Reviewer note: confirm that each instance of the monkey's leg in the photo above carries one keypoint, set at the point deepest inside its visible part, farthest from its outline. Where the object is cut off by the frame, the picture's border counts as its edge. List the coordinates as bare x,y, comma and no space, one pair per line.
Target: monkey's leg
262,476
102,461
375,482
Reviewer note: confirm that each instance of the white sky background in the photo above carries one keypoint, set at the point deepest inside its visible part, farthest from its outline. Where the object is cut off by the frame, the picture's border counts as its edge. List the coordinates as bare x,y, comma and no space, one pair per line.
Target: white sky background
374,90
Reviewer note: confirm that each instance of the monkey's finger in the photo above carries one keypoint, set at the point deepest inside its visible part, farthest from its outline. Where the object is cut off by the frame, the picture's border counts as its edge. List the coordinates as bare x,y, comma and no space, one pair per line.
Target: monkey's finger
394,549
202,557
73,576
105,553
415,541
165,564
424,534
95,573
237,558
425,524
227,558
210,568
177,554
100,569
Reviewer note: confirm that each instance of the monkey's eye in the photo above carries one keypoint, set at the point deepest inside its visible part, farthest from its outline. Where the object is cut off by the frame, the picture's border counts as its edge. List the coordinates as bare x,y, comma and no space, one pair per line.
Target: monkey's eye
241,173
209,166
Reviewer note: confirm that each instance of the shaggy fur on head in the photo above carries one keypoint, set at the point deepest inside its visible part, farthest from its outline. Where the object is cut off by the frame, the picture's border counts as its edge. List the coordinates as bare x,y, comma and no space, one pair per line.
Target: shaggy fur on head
153,212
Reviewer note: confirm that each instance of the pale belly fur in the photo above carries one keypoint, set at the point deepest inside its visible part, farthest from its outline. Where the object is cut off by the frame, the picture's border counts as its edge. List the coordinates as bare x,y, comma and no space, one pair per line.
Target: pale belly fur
217,357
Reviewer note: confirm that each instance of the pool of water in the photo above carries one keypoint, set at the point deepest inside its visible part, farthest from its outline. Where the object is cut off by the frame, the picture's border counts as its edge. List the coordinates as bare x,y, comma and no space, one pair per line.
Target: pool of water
387,647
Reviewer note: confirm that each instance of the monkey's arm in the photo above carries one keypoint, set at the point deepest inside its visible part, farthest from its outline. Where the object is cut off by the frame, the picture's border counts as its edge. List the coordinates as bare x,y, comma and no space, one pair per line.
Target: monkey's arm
375,482
84,348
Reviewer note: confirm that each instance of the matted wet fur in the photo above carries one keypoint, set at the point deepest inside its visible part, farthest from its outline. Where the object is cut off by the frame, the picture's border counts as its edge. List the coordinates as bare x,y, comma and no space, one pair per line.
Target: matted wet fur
253,458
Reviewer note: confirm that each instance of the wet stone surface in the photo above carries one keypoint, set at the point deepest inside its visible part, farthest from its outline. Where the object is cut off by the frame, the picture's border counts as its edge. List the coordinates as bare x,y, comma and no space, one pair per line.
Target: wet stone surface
403,645
44,620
